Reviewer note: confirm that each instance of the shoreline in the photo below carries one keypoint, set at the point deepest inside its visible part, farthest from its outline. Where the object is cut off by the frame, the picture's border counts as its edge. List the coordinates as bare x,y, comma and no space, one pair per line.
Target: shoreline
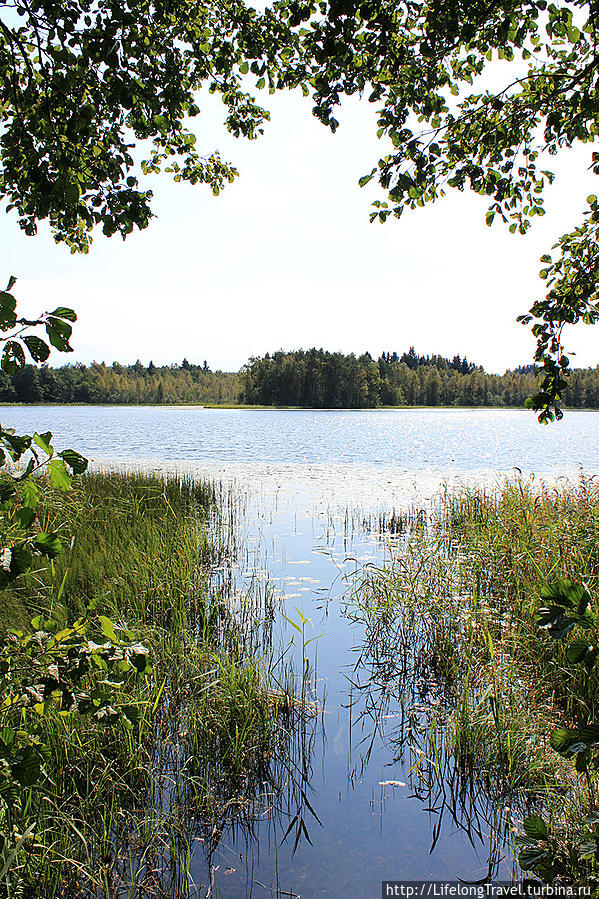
258,408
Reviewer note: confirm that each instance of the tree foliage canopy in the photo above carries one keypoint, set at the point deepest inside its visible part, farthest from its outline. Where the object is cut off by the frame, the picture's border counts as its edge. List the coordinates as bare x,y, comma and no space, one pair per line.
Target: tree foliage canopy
94,93
316,378
84,84
427,65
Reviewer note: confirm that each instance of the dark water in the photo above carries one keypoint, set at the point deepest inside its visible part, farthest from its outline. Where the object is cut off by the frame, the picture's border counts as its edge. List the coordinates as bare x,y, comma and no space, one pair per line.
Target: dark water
312,483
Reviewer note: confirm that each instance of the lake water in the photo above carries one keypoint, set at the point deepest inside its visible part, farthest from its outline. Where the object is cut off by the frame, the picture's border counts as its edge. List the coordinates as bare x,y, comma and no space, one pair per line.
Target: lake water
311,481
450,440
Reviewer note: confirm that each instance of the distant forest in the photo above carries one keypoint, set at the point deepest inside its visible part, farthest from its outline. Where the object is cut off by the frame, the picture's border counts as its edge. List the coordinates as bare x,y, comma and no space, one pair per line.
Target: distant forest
316,378
116,383
310,378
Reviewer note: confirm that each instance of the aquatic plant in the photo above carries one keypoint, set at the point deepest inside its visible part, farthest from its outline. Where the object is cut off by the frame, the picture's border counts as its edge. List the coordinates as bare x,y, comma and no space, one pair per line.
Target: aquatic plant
508,704
127,771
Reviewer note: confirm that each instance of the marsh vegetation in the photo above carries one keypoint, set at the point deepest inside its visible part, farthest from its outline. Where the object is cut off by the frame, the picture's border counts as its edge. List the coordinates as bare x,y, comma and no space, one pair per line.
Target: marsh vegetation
484,628
189,674
136,726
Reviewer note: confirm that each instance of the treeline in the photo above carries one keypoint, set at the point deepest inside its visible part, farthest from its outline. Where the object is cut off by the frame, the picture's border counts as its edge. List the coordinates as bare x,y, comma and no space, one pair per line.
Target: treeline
310,378
135,384
317,378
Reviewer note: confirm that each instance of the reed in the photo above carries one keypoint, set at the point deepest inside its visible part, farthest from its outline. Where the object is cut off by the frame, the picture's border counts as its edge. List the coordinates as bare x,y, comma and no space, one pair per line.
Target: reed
118,807
450,628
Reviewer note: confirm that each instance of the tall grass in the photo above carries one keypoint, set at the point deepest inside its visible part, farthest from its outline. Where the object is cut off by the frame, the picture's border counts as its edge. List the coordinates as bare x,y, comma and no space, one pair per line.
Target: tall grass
450,627
119,807
138,543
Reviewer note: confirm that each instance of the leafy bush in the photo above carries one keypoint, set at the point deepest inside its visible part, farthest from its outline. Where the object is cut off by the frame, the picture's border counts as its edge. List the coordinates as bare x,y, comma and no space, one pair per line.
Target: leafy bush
559,852
46,675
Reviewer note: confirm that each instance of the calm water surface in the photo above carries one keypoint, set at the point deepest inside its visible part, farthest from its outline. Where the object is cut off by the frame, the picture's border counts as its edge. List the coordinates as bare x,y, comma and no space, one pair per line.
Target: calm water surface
309,479
408,439
411,439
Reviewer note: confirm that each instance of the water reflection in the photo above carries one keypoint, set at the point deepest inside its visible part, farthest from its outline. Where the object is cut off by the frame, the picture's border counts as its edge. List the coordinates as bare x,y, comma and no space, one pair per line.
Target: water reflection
375,782
363,786
397,704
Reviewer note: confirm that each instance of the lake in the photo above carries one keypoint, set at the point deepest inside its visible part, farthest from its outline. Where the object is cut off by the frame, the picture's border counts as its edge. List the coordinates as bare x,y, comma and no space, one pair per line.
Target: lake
311,486
451,440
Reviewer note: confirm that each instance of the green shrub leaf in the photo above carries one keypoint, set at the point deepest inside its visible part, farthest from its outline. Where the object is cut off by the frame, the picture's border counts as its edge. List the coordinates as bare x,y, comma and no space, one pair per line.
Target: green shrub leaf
535,828
48,544
38,348
64,312
58,474
76,462
561,738
530,858
108,629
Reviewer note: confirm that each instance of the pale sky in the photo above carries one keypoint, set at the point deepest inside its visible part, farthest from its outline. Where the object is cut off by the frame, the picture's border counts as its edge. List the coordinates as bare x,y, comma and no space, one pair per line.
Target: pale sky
286,258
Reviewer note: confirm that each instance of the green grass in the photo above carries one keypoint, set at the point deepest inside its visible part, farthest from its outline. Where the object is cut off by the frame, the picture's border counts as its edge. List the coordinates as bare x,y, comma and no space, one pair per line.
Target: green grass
464,591
138,545
119,806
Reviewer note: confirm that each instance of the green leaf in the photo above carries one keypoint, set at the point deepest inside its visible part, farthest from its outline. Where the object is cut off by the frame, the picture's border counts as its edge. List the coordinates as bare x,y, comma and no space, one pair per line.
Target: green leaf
59,333
130,714
58,474
8,316
7,490
26,766
579,651
20,561
582,761
15,443
7,740
140,660
13,357
29,493
529,859
76,462
565,740
48,544
108,629
43,441
588,849
558,624
25,516
535,828
589,735
562,738
65,312
38,348
564,593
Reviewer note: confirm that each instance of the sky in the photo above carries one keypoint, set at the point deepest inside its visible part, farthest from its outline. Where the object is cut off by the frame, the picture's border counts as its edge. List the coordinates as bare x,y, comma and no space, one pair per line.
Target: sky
286,258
